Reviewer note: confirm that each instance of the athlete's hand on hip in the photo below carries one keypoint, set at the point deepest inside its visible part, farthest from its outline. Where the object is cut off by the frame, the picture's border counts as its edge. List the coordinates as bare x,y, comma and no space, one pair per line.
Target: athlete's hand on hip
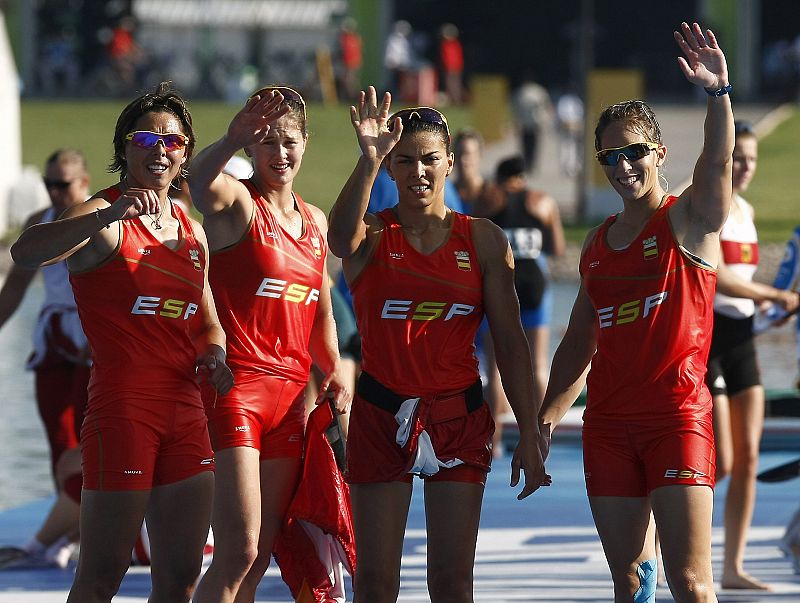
212,368
528,459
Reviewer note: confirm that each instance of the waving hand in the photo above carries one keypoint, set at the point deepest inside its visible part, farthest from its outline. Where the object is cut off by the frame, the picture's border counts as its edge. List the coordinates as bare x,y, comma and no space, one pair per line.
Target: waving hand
704,64
371,124
251,125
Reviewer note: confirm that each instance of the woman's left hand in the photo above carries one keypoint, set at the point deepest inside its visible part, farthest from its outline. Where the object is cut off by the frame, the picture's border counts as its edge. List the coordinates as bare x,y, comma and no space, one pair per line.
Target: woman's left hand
211,366
705,63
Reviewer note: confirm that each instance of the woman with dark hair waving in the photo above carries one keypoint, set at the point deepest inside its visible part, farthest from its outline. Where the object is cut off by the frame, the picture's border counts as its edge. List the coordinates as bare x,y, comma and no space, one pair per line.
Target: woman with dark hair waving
422,277
643,319
138,271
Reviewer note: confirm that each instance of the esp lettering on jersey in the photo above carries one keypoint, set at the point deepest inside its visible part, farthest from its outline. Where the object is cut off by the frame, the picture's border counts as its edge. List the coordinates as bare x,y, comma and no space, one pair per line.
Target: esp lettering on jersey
168,308
406,309
629,311
292,292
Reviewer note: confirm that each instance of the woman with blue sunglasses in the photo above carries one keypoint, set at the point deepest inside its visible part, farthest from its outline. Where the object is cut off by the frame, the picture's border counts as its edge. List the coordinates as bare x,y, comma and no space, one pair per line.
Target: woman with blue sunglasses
138,268
643,319
422,277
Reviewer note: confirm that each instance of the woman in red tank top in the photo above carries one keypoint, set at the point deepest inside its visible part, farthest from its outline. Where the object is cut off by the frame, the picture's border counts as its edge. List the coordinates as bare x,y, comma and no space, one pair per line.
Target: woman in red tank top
642,318
422,277
137,267
268,275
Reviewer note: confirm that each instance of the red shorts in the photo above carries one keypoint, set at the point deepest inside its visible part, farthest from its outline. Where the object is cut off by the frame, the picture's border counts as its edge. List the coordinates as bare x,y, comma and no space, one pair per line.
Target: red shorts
61,397
261,411
633,459
138,444
373,455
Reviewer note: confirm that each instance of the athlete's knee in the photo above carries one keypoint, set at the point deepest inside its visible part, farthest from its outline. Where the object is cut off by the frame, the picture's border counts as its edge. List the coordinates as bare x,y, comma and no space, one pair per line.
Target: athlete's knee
237,557
688,585
99,581
373,585
176,583
449,584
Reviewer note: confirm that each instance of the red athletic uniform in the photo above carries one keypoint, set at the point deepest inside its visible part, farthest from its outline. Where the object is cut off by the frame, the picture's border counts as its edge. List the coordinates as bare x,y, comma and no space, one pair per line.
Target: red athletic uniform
266,288
648,406
418,315
145,424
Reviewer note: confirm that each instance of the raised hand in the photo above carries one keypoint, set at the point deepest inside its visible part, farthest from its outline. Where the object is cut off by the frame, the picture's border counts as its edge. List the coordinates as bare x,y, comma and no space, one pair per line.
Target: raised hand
705,63
372,124
252,124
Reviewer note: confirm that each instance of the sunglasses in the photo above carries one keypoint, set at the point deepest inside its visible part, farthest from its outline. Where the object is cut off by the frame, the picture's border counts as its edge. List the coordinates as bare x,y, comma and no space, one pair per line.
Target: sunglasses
287,93
147,140
59,185
427,115
631,152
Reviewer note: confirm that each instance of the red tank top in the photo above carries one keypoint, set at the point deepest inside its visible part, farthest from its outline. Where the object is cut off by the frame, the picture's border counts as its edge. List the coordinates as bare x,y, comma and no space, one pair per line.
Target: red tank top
654,318
266,289
418,314
138,310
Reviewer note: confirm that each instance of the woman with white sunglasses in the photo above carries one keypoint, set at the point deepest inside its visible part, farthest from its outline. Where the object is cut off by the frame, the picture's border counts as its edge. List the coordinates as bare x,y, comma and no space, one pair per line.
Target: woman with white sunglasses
643,318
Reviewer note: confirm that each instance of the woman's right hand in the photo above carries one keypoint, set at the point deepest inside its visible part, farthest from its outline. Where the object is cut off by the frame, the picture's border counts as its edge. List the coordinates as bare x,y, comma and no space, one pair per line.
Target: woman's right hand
372,124
134,202
252,123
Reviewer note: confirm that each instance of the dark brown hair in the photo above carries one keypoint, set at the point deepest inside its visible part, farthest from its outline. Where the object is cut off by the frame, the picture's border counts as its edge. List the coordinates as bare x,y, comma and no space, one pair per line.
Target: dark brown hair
163,100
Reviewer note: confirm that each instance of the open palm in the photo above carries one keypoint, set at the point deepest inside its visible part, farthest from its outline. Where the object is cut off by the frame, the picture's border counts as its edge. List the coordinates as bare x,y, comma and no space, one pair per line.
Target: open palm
704,63
371,124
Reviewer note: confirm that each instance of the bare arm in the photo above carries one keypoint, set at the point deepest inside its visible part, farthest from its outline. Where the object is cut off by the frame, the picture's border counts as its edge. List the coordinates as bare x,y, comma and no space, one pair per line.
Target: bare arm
570,363
709,196
212,191
559,242
209,339
512,353
571,360
17,281
324,343
83,232
729,283
348,228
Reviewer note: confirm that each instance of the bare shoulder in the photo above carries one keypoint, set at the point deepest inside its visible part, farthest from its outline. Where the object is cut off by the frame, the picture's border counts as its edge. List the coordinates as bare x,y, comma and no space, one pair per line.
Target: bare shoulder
199,231
490,241
590,236
319,217
486,232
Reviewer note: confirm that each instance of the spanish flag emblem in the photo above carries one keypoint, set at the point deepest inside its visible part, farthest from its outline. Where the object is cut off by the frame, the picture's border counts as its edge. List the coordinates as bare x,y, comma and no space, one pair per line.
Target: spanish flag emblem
463,261
650,248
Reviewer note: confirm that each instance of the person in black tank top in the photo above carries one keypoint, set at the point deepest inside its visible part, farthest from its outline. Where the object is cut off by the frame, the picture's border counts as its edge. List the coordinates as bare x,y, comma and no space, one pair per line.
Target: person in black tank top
532,223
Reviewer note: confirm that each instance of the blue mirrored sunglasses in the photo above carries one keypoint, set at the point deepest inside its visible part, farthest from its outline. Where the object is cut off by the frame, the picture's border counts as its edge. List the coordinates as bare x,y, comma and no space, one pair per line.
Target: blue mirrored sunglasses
147,140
